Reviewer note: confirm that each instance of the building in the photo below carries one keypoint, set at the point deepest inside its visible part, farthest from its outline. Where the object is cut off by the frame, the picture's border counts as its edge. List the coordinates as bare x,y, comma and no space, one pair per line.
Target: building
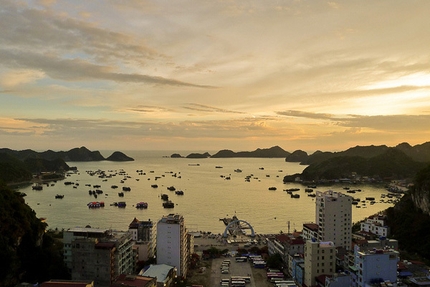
78,232
338,280
99,258
334,218
165,274
124,280
66,283
144,236
375,225
285,245
172,243
374,266
310,231
320,259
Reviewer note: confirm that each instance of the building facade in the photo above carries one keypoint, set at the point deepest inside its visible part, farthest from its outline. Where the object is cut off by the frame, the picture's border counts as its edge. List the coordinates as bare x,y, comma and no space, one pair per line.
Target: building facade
74,233
172,243
320,259
144,236
375,225
375,266
101,259
334,218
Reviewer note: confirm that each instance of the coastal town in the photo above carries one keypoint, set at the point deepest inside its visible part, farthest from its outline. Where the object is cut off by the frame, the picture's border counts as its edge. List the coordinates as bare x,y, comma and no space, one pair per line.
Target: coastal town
166,253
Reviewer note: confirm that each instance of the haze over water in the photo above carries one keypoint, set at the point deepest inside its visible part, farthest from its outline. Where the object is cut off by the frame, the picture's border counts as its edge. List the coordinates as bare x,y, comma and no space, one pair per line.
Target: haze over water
208,196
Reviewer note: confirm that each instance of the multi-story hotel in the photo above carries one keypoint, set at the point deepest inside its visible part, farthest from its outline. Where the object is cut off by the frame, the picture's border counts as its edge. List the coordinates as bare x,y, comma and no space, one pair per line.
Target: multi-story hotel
172,244
333,217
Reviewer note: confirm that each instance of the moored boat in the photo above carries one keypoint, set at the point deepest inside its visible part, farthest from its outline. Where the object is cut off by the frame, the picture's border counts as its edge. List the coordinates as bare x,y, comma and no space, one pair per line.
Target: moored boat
96,204
168,204
142,204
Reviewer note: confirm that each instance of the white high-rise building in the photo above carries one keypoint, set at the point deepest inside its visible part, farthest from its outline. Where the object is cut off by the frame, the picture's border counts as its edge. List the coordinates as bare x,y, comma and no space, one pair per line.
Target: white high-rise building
334,218
172,247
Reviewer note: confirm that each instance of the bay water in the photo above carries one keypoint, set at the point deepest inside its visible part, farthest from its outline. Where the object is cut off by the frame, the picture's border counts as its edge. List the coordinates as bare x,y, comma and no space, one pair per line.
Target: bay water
213,188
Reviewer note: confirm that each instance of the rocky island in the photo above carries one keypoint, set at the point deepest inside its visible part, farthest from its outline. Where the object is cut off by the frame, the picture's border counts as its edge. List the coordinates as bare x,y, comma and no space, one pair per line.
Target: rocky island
18,166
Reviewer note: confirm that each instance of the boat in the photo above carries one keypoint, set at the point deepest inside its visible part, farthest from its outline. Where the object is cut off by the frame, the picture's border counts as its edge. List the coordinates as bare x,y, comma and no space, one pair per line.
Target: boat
171,188
218,166
121,194
295,195
122,204
114,186
168,204
272,188
37,187
179,192
96,204
308,190
141,205
60,196
126,188
164,196
154,185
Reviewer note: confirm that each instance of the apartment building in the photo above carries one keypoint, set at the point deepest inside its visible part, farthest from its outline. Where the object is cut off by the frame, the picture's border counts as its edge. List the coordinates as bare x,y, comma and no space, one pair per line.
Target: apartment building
172,243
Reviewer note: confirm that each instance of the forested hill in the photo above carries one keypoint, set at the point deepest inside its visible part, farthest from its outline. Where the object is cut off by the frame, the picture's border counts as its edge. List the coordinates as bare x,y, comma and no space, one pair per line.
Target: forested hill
18,166
272,152
27,253
391,164
419,153
409,219
75,154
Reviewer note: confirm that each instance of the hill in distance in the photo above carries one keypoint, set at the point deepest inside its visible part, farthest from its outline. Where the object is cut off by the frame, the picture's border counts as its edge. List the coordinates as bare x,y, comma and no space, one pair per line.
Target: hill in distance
19,166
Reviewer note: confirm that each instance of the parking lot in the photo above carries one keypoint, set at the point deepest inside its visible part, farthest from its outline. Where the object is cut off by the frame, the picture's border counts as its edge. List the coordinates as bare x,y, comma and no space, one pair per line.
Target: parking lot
258,278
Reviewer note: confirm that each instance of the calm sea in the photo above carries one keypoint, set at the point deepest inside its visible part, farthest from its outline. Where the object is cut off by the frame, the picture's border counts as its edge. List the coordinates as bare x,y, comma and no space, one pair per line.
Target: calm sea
208,195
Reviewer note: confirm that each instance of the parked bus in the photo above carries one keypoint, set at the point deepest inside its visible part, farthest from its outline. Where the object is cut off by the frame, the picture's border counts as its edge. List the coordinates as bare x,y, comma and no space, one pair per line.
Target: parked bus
274,275
247,279
241,259
238,283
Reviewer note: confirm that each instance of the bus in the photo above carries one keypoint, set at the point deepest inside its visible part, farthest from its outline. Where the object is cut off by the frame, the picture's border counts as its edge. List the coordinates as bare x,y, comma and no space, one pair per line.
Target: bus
247,279
238,283
285,283
274,275
241,259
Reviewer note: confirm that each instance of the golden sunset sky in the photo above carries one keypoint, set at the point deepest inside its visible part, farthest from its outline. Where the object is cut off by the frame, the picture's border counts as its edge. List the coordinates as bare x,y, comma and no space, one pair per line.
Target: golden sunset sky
210,75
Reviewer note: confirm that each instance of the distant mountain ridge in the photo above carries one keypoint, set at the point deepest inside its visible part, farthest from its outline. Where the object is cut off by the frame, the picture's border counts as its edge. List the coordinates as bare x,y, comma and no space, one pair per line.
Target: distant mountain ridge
75,154
419,153
18,166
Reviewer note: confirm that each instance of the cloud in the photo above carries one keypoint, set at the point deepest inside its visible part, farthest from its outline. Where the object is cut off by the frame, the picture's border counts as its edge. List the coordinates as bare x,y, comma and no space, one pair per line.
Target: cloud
209,109
308,115
18,77
386,123
68,49
148,109
79,69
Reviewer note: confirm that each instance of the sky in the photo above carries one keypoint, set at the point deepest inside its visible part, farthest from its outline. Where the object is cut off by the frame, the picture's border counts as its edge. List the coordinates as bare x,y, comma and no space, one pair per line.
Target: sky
213,74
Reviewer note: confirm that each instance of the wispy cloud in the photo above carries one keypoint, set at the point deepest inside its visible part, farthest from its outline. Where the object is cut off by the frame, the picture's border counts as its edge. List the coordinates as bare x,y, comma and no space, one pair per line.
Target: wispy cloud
209,109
